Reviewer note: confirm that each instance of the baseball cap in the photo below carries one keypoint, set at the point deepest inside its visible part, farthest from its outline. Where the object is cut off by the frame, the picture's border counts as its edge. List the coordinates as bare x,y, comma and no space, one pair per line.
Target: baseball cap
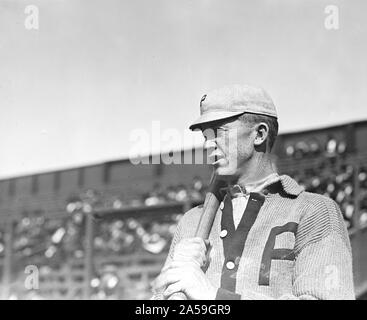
234,100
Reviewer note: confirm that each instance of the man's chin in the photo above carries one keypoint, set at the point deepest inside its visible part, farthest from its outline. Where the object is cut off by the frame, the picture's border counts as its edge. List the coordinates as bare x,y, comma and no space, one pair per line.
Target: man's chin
226,173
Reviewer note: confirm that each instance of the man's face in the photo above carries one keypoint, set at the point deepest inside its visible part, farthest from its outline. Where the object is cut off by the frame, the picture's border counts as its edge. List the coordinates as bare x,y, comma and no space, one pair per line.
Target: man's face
230,144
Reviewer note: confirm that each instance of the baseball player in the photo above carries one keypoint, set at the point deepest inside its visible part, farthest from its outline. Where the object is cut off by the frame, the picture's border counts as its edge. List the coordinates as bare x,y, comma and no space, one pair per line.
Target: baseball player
270,238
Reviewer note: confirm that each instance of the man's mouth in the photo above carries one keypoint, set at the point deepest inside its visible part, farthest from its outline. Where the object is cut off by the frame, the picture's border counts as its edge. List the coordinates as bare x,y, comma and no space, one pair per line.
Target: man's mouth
220,163
217,159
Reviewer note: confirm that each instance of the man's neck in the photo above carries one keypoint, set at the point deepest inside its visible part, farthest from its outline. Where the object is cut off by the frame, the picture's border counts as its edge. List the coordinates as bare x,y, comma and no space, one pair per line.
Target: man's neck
255,170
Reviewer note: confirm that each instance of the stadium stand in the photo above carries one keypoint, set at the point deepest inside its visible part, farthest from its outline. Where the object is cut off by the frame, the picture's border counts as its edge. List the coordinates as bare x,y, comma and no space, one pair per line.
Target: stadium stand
103,232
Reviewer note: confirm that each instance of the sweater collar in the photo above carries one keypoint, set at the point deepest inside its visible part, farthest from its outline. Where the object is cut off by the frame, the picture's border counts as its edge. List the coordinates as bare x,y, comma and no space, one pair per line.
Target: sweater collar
290,186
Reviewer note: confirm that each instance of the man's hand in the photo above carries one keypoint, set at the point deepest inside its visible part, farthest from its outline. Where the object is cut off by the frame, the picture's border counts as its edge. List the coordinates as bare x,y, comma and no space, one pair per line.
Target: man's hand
193,250
184,273
185,277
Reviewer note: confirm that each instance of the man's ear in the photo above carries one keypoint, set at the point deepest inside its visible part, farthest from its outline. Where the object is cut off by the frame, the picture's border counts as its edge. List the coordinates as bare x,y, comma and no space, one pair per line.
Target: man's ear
262,132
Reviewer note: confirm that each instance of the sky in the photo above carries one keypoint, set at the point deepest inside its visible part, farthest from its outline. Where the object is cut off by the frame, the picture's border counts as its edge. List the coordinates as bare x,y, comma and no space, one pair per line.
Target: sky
73,91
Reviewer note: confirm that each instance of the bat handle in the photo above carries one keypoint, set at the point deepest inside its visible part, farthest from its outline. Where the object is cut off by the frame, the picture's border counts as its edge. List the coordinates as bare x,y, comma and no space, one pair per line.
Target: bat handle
211,204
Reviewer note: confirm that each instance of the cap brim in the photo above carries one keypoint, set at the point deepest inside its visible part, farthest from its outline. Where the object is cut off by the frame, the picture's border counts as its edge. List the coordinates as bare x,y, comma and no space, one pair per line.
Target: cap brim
214,116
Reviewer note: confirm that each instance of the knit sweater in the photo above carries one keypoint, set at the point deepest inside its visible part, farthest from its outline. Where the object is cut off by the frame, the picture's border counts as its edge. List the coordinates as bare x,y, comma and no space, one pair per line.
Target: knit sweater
289,244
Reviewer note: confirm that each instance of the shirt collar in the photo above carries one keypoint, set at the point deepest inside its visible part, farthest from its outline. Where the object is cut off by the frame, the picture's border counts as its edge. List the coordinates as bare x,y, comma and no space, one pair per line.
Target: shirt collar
240,190
289,186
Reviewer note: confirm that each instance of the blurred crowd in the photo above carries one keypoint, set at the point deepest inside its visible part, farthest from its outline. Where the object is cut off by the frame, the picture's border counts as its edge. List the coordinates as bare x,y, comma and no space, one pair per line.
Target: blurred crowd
193,192
138,237
135,234
340,186
311,148
48,241
53,243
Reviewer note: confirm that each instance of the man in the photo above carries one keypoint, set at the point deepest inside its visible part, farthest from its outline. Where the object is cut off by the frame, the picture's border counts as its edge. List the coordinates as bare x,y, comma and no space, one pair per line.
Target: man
270,239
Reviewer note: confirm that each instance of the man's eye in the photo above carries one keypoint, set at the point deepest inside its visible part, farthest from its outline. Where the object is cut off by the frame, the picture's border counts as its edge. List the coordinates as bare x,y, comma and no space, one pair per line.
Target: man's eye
221,131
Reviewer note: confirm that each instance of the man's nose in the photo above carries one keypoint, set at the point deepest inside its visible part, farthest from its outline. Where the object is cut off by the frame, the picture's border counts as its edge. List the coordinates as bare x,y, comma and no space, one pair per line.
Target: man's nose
210,145
212,151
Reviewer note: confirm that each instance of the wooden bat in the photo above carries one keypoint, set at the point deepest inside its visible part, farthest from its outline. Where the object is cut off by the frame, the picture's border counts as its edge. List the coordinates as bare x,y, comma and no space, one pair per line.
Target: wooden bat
211,204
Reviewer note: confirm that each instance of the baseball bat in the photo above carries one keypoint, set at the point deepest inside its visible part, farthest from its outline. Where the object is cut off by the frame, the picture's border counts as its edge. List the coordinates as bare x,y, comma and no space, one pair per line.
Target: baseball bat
210,208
